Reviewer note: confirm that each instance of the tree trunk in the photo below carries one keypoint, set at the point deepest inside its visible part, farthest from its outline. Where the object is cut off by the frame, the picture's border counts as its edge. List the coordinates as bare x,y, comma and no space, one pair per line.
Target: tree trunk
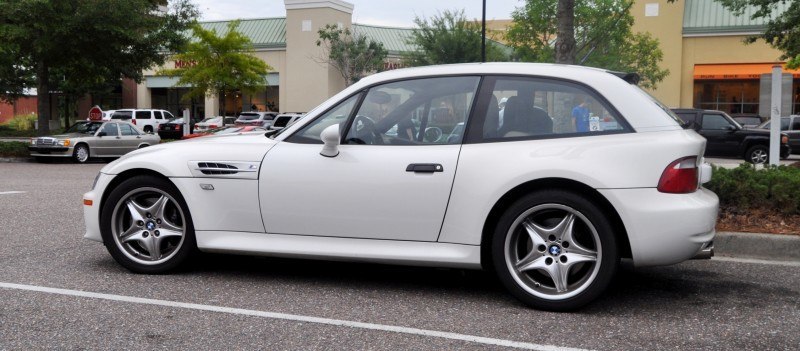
565,37
222,104
43,98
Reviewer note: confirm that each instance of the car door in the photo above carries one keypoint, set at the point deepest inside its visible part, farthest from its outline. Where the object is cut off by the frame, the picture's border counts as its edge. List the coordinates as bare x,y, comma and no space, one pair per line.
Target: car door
130,138
108,144
720,134
794,134
392,176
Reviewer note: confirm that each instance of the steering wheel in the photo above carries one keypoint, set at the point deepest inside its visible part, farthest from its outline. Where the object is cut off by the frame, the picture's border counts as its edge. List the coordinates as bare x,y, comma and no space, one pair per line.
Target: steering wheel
365,132
433,134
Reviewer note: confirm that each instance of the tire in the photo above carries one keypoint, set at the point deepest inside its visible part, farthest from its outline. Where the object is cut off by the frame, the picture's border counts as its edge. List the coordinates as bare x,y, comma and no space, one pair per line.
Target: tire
148,129
146,225
757,154
81,153
544,233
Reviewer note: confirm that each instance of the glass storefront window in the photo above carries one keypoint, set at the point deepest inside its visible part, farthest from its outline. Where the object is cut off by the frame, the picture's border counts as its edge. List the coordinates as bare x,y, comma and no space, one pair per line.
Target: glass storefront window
171,99
796,98
731,96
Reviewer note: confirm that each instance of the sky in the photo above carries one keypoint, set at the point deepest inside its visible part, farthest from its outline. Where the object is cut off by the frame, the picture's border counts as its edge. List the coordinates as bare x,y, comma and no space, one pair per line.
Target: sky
395,13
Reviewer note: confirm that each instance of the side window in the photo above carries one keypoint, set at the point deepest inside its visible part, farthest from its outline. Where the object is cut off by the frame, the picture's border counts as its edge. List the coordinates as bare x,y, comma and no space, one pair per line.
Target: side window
338,114
796,123
687,117
143,115
158,114
127,129
715,122
784,124
414,112
168,115
532,108
111,129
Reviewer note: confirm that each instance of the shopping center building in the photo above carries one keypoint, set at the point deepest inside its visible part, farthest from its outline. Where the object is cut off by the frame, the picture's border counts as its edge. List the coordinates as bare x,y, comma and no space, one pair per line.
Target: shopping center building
710,65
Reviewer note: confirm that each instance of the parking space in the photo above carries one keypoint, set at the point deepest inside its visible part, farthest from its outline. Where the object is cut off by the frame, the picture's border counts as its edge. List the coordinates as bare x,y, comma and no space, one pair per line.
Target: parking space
240,302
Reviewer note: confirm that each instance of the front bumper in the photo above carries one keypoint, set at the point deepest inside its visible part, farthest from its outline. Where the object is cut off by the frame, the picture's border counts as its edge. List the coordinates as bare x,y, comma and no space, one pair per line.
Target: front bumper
664,228
91,213
54,151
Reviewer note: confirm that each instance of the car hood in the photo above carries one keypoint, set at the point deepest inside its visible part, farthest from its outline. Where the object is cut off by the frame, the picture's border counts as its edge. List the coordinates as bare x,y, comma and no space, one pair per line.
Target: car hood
760,131
172,159
70,136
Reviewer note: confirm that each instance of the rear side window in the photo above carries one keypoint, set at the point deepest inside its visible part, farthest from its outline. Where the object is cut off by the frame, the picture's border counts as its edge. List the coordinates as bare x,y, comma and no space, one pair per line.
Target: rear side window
122,115
519,108
158,114
143,115
126,129
110,129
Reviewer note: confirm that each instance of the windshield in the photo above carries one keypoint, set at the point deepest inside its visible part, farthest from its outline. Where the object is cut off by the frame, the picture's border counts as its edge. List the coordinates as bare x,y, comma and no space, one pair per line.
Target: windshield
784,124
84,127
248,116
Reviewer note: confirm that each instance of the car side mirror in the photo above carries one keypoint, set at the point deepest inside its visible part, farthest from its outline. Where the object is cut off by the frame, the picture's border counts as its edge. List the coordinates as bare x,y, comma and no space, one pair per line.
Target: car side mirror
330,137
101,134
730,128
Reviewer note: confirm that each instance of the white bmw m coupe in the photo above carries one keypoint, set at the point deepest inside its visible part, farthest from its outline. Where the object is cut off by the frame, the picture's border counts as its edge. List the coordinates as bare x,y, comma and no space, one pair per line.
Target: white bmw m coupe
575,170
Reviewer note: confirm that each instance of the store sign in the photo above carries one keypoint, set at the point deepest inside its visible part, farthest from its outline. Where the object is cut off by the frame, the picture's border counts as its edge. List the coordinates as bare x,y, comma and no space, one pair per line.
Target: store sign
95,114
182,63
389,65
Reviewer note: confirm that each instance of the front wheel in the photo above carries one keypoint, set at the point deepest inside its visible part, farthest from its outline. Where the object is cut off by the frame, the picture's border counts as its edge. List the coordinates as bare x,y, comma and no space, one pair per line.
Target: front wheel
757,154
554,250
81,153
146,225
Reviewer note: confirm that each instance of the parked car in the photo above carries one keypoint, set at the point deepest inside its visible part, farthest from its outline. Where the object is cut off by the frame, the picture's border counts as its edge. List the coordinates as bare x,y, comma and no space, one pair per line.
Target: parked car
255,118
225,130
747,120
173,128
284,120
147,119
789,126
551,210
84,140
213,123
726,138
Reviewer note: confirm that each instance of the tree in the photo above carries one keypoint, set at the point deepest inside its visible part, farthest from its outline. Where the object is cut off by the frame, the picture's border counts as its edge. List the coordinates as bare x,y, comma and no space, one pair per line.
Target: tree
602,38
82,45
219,64
783,30
565,32
449,38
352,54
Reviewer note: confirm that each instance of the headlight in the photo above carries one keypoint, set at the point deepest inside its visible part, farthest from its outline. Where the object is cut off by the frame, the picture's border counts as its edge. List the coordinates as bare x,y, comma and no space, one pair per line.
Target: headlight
64,142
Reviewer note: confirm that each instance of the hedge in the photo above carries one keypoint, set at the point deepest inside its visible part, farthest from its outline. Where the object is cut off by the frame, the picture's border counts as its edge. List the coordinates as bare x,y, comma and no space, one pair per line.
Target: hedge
748,188
13,149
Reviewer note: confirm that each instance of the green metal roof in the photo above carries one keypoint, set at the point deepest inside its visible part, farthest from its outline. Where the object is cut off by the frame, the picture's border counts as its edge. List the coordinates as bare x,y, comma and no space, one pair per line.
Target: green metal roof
263,32
394,40
710,17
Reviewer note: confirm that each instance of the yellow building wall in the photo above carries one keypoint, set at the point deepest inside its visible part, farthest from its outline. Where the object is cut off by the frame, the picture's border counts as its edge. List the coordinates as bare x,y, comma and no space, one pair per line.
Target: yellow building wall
719,50
667,27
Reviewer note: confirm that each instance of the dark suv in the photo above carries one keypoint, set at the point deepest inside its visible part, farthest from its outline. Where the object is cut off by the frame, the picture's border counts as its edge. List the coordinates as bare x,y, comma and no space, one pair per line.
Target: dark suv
727,138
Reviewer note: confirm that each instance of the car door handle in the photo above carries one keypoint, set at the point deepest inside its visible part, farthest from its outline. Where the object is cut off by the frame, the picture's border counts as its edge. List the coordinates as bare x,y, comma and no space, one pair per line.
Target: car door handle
424,168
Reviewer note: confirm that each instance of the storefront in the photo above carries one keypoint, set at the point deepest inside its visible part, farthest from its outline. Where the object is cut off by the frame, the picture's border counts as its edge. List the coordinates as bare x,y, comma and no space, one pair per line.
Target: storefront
737,88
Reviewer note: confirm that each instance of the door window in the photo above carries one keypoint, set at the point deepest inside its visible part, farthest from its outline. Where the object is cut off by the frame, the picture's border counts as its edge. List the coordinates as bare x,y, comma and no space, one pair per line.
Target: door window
534,108
414,112
715,122
336,115
110,129
127,129
158,114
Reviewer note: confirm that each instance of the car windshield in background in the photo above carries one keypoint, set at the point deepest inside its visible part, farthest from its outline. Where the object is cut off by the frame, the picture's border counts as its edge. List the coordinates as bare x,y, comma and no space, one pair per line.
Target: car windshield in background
248,116
784,124
176,121
84,127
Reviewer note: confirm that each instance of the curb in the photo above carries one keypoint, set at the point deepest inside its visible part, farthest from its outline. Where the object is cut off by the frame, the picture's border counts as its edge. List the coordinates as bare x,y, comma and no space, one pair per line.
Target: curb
772,247
15,159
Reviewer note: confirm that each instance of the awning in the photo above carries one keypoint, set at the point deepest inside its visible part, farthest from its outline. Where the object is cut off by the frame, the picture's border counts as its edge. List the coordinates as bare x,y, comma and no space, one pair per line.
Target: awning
171,82
737,71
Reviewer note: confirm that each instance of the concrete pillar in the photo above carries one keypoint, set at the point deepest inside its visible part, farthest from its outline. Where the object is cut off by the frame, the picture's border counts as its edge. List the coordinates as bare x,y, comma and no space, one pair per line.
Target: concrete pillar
309,82
765,95
211,106
143,97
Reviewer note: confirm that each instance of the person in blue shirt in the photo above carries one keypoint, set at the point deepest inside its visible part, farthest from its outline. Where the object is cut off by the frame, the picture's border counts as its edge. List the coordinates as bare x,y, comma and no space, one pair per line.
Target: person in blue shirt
580,116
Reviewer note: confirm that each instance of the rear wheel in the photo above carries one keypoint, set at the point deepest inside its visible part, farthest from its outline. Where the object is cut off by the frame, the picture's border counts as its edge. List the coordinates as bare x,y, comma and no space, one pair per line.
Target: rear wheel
148,129
146,225
757,154
81,153
554,250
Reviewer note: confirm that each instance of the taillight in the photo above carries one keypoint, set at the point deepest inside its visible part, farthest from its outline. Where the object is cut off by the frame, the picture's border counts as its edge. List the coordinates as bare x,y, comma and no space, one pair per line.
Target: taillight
177,127
680,177
133,121
212,126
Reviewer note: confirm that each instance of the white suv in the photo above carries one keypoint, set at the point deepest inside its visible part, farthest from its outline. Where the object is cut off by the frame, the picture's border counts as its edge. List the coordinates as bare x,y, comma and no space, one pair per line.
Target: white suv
146,119
255,118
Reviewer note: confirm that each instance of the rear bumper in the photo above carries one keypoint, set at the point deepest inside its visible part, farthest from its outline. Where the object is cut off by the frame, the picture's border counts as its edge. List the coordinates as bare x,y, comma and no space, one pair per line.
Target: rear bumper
664,228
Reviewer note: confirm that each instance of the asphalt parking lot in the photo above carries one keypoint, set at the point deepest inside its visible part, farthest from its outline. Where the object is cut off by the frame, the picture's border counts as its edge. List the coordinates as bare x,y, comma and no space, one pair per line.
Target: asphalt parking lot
59,291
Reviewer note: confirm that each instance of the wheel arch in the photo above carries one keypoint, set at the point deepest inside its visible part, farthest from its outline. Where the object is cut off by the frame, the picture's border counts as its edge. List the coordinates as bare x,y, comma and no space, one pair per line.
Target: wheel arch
84,143
128,174
517,192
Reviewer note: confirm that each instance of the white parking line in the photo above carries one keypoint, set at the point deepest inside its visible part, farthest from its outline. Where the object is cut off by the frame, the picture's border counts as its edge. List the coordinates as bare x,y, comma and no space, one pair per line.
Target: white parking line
754,260
11,192
290,317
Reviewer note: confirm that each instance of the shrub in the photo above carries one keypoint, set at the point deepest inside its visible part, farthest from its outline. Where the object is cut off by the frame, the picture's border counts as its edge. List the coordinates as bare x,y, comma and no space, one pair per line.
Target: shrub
747,188
13,149
22,122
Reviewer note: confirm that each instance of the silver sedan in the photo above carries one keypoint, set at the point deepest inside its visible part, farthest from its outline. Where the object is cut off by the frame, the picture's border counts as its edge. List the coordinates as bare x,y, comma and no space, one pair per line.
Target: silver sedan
87,139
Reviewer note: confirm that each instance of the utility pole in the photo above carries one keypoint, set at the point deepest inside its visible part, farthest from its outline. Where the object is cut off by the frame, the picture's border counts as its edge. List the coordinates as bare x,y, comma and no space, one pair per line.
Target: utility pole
483,34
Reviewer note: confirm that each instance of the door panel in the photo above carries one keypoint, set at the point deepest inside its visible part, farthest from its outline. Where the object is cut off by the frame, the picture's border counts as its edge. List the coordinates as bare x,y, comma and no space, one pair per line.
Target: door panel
721,141
364,192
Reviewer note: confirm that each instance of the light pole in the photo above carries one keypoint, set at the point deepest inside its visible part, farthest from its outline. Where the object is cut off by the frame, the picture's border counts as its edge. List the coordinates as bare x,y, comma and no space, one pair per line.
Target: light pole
483,34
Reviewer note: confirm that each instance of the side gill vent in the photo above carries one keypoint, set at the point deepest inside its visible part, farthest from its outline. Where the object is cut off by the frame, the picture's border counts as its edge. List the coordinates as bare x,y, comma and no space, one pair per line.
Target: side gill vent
210,168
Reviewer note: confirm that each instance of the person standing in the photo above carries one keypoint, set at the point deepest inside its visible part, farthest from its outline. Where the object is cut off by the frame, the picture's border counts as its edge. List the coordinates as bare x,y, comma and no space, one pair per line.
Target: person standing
580,116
